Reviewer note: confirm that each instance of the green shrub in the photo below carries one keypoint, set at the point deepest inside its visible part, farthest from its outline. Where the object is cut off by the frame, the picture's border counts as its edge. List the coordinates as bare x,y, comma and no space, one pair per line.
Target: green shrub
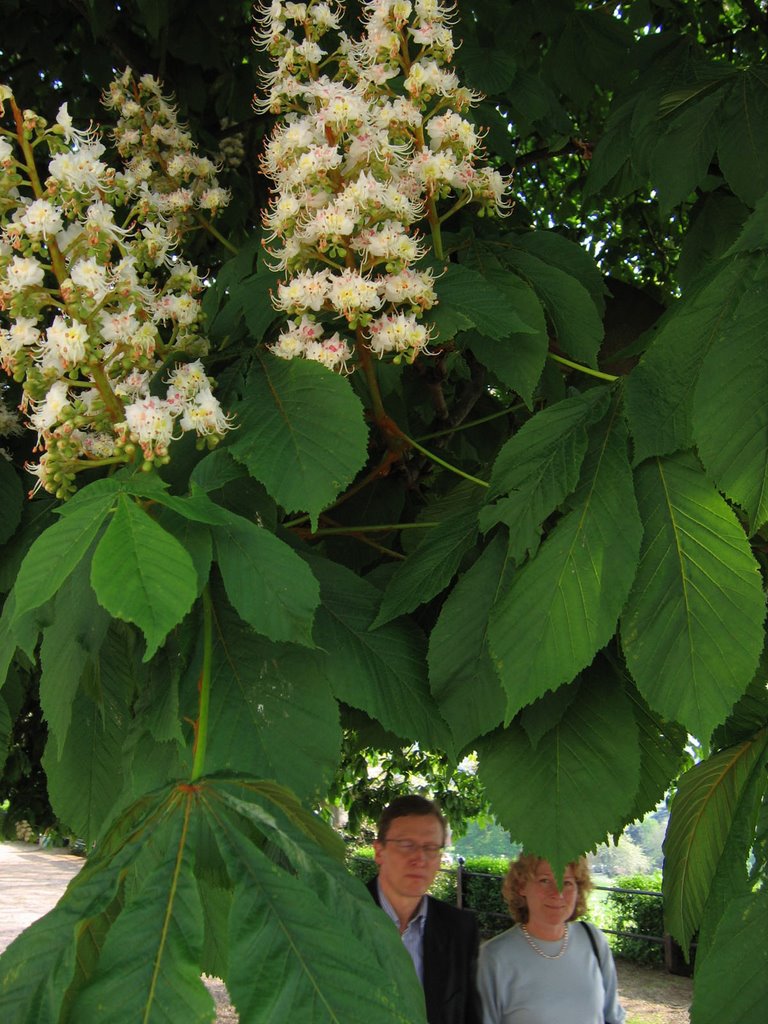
482,893
630,912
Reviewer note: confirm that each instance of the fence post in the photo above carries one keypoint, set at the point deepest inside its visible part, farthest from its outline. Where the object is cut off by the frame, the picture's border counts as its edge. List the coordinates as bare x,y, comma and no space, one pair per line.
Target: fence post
460,883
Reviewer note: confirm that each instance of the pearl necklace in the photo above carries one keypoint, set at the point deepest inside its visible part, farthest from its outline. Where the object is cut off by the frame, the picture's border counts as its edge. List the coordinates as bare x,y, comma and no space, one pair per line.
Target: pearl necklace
540,951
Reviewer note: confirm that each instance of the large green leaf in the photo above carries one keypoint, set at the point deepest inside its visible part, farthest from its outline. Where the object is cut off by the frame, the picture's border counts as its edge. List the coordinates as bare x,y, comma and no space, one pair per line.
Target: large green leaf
740,955
683,152
742,146
707,803
461,672
271,712
84,771
142,574
431,566
5,731
303,433
570,307
569,256
660,389
11,500
563,795
380,670
468,298
57,551
562,606
517,359
692,630
149,968
271,587
70,643
289,952
538,467
730,417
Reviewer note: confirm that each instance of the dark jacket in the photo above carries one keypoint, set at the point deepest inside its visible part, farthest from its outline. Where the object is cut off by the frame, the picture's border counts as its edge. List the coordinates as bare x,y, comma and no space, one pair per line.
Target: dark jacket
450,960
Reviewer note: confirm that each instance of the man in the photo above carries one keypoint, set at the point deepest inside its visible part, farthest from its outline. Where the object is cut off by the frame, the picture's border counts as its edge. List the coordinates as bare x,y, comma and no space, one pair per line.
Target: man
442,940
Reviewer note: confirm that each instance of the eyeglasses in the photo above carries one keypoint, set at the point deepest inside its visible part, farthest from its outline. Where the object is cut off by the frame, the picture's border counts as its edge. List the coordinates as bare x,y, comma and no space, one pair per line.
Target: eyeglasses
409,846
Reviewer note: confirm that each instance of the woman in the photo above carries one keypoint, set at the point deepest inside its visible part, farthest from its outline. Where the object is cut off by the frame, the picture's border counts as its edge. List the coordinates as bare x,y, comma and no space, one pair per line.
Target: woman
549,968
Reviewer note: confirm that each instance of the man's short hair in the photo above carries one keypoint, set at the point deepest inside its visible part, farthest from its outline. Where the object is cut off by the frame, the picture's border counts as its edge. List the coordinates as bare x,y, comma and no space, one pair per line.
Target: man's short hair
402,806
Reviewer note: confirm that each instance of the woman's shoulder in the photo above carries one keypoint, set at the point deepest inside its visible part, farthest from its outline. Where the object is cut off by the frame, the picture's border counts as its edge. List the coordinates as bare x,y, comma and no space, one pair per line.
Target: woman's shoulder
499,945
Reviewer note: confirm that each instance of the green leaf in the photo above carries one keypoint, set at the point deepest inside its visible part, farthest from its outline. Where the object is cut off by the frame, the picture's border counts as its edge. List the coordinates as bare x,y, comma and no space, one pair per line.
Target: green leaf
692,630
70,643
742,146
308,943
485,301
709,799
576,788
754,230
215,470
662,754
730,418
538,467
431,566
381,671
303,433
570,257
253,296
461,672
271,587
195,538
740,955
659,391
55,553
271,712
164,920
684,149
489,69
11,500
517,360
290,954
570,307
562,606
142,574
83,771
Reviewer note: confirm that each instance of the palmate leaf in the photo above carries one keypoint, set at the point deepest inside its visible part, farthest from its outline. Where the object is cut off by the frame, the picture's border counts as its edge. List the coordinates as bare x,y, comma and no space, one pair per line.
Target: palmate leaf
272,712
569,306
562,606
740,954
149,967
461,671
304,435
133,953
84,770
661,387
692,630
56,552
382,670
70,643
538,467
141,574
271,587
709,800
562,796
730,417
431,566
468,298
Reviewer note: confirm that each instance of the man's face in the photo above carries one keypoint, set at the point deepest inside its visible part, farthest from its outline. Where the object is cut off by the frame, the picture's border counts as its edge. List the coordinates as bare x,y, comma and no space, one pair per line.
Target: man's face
407,874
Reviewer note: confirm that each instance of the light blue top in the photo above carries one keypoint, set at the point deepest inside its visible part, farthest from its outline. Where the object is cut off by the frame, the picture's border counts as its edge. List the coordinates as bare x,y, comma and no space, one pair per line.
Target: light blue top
518,986
413,936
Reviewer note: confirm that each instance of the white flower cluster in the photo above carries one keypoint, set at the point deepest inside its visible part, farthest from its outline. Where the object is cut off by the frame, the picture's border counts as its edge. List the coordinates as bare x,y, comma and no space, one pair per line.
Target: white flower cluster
373,137
91,311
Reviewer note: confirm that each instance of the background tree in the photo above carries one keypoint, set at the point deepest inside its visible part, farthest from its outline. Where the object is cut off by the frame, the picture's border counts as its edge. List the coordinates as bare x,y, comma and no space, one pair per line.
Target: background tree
544,542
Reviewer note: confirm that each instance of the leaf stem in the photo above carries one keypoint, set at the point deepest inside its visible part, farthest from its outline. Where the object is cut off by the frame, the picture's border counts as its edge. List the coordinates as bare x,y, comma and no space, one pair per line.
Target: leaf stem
473,423
578,366
441,462
215,233
204,688
328,531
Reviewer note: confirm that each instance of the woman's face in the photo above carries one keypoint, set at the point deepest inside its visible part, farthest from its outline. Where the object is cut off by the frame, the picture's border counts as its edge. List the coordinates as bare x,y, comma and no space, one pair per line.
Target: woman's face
547,905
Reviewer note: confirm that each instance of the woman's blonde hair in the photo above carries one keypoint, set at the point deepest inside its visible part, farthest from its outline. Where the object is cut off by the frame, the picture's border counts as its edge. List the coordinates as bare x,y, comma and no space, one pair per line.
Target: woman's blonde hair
524,869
